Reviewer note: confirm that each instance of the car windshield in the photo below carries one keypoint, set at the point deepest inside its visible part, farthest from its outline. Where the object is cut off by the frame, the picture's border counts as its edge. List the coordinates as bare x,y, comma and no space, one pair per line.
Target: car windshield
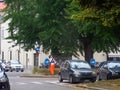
15,62
114,65
80,65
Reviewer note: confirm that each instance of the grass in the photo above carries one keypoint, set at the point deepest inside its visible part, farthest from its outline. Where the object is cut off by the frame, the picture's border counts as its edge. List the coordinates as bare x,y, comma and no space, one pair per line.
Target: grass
44,71
105,84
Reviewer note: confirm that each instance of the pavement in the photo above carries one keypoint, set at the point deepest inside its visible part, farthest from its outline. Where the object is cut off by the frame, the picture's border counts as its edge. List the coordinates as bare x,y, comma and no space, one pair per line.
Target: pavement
83,86
28,73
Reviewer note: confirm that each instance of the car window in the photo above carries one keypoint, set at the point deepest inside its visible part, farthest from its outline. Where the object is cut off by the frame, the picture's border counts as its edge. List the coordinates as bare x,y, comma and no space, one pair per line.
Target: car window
15,62
79,65
66,65
105,66
113,65
63,65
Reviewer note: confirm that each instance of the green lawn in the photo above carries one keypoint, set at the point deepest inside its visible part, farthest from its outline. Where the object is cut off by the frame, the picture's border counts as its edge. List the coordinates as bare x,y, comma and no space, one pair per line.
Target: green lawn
105,84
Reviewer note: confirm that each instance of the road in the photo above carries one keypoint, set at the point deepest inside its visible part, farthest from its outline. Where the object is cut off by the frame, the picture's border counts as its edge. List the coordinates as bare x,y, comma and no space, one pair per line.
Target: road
22,83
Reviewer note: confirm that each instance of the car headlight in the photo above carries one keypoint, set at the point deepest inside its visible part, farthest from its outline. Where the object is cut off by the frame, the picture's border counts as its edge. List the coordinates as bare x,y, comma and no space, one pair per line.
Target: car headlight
76,74
3,79
114,73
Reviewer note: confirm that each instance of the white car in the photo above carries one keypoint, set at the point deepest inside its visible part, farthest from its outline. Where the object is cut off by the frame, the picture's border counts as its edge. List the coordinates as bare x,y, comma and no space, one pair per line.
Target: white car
15,65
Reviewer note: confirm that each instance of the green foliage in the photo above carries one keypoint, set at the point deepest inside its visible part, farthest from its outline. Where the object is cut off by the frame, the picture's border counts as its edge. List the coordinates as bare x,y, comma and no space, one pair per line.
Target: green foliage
66,26
95,22
44,22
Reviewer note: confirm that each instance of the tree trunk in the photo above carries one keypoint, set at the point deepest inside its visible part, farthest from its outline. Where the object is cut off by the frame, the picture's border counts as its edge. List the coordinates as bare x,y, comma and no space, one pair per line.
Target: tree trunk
88,53
88,50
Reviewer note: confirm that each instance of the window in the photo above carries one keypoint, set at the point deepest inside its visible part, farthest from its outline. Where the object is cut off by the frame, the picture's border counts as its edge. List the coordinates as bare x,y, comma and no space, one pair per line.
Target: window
79,65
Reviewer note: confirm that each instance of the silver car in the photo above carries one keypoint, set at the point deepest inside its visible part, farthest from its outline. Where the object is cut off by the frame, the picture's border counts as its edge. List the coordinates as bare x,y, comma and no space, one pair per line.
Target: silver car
15,65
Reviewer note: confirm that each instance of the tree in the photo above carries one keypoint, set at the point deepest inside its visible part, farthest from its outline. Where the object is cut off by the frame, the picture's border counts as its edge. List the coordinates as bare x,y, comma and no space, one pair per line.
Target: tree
96,22
31,22
64,27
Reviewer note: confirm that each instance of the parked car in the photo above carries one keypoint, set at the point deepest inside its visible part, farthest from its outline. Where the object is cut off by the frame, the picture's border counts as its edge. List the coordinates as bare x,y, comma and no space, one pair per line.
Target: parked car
76,71
109,70
15,65
4,65
4,81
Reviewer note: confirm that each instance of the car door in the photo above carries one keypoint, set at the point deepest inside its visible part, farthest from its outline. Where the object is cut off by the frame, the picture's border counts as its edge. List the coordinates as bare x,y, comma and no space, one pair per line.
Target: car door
62,71
67,70
103,71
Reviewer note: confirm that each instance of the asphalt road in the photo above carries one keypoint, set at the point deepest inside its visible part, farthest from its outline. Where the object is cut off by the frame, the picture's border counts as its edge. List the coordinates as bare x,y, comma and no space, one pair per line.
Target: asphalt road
24,83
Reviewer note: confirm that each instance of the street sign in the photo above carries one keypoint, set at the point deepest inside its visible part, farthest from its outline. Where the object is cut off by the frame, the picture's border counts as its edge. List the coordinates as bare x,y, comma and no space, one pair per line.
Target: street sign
38,49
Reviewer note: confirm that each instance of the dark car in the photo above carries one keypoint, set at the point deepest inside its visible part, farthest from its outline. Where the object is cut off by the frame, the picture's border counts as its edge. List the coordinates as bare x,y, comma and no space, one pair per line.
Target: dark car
76,71
4,81
109,70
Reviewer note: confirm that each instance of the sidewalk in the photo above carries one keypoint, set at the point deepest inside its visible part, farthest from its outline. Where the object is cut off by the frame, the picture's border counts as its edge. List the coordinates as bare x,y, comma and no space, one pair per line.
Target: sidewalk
39,76
29,74
80,86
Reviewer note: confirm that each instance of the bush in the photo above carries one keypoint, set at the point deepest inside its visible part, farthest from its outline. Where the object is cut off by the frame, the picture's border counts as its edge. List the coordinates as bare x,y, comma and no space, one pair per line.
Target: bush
44,71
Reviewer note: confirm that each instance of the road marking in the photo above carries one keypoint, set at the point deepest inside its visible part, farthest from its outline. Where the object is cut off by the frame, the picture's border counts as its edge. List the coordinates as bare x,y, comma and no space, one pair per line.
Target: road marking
21,83
55,82
36,82
13,77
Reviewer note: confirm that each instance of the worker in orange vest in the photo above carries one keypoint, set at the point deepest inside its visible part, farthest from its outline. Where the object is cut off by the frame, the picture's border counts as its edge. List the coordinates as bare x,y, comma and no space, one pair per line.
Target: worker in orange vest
52,65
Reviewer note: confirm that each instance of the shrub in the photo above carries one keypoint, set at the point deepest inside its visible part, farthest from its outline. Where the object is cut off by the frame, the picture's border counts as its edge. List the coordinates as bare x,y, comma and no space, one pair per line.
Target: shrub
44,71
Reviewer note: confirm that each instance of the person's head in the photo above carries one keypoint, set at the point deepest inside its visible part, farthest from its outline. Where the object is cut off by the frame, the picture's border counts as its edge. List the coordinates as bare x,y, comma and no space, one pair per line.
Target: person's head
50,56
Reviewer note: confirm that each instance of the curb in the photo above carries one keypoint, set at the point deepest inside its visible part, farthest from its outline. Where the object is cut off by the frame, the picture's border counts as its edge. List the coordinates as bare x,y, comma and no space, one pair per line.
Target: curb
40,76
91,88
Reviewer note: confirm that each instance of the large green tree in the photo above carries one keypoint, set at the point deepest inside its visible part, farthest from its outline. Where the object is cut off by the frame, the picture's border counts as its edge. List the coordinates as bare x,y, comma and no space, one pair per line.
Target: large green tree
98,24
66,26
44,22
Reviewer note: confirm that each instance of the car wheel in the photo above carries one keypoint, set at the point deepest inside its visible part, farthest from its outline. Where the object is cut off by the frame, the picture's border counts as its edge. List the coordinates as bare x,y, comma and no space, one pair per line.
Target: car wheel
22,70
60,78
11,70
71,79
108,76
93,80
7,86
